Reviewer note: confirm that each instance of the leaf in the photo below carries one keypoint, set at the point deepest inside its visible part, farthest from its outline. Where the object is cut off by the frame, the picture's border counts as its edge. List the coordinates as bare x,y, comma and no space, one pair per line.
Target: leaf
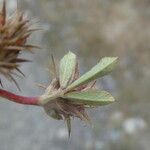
105,66
90,97
67,68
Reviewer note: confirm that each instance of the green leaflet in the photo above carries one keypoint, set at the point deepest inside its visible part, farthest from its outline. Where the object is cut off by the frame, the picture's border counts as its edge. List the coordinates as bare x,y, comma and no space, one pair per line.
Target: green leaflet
105,66
67,68
90,97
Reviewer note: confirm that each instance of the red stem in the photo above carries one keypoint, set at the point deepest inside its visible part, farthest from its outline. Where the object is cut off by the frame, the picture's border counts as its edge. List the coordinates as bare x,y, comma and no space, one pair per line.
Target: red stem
19,99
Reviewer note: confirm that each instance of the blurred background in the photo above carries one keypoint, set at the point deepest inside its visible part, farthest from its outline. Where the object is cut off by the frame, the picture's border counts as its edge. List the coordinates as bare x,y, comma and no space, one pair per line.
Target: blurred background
91,29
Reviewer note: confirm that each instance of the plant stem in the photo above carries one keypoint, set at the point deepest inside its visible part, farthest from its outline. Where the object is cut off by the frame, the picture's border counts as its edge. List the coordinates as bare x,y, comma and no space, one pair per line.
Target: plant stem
47,97
19,99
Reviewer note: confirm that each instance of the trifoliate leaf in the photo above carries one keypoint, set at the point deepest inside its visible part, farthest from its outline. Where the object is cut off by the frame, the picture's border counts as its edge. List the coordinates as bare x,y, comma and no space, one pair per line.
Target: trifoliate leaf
67,68
105,66
90,97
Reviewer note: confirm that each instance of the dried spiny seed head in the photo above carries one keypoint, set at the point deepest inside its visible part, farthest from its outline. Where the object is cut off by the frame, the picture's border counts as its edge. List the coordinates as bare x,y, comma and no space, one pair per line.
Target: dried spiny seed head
14,33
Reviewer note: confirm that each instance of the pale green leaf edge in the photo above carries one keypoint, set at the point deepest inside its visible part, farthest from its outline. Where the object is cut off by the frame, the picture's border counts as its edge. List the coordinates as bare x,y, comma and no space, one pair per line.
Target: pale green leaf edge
67,68
105,66
90,97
